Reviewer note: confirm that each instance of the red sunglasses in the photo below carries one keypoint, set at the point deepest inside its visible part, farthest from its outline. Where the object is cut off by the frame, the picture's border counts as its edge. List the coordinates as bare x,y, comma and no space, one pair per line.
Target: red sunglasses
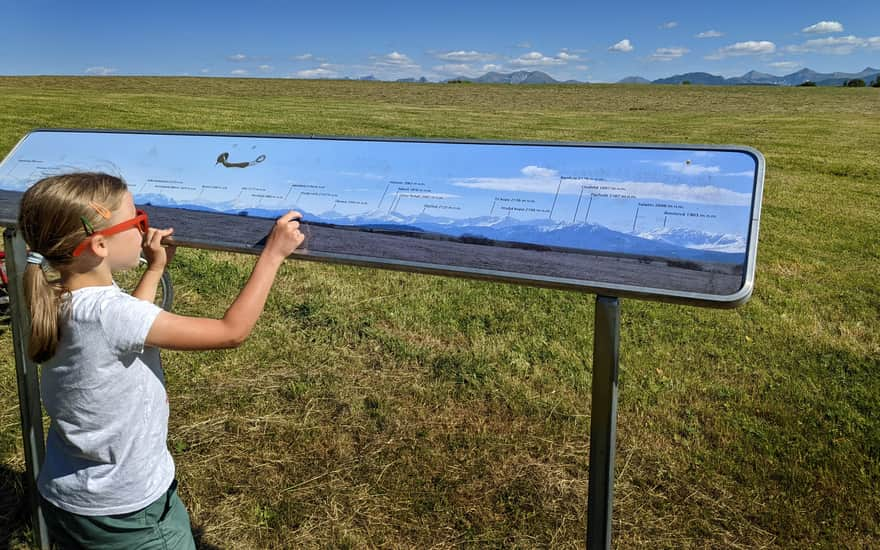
140,221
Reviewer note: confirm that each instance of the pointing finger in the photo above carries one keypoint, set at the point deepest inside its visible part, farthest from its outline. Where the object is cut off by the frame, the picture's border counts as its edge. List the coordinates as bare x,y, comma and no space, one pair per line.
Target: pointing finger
293,214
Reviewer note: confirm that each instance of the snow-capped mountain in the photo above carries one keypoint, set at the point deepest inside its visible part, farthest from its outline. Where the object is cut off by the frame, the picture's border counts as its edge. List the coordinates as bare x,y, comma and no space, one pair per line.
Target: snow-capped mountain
700,240
549,232
677,243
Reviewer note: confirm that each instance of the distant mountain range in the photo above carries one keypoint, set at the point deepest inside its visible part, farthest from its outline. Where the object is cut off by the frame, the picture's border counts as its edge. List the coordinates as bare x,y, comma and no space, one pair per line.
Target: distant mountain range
673,243
751,78
518,77
869,74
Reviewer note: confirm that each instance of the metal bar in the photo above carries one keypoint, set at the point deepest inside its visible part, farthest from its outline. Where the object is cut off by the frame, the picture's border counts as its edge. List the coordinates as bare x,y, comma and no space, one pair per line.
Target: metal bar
603,422
28,381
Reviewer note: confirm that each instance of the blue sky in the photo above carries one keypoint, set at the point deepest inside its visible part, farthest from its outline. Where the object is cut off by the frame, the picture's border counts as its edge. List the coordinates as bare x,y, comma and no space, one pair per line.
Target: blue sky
587,41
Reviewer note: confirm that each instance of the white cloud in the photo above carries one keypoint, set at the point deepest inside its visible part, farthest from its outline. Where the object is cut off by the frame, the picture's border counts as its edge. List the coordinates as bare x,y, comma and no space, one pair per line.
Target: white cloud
669,25
303,57
315,73
455,69
395,58
536,59
524,184
840,45
668,54
690,169
710,34
539,172
543,180
752,47
704,194
525,45
100,71
535,179
238,72
787,65
623,46
823,27
239,57
462,56
492,67
565,56
390,66
743,174
325,70
393,65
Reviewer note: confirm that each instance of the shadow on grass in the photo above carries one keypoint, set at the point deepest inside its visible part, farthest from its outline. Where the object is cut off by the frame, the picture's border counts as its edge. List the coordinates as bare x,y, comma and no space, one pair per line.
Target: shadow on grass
15,528
198,533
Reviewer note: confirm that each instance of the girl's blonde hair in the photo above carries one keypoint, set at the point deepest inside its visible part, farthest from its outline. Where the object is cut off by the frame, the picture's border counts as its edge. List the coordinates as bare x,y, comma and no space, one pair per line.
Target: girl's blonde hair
55,215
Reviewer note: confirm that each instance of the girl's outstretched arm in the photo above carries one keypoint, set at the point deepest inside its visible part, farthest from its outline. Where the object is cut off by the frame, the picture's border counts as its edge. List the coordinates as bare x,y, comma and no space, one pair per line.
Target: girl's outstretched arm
170,331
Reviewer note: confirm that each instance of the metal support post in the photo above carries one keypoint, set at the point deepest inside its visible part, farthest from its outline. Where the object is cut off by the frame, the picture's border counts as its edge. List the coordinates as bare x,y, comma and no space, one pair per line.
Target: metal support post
28,381
603,422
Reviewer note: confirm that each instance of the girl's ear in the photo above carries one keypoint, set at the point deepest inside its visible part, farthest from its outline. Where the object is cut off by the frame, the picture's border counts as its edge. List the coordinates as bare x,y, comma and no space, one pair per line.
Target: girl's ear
98,246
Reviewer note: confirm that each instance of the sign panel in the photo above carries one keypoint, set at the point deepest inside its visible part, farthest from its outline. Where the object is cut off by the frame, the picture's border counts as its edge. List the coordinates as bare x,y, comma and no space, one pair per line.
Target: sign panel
674,223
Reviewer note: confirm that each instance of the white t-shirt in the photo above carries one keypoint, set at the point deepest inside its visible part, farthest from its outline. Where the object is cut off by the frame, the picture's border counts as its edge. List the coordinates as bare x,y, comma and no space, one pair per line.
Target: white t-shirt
106,450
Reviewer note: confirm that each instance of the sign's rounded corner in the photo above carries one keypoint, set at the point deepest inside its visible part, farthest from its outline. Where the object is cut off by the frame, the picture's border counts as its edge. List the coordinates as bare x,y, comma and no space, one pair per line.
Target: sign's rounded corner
739,297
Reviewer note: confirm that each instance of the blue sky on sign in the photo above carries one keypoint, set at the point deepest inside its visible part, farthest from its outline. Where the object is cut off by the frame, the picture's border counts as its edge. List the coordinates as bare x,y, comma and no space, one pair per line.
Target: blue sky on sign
586,41
363,177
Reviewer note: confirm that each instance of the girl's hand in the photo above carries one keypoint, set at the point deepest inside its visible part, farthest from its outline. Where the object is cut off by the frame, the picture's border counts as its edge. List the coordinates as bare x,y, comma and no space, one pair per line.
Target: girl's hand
285,236
157,255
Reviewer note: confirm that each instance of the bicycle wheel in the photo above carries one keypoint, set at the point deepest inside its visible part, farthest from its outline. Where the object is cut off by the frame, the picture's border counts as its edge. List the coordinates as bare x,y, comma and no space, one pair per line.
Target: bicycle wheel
4,291
167,291
4,301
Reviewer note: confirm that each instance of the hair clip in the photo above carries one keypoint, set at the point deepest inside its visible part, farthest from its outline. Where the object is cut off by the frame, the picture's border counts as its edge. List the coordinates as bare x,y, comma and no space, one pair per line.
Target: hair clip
101,210
87,226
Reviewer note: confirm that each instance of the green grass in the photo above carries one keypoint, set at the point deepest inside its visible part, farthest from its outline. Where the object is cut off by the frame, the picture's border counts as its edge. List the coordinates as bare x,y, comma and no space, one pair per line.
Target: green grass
377,408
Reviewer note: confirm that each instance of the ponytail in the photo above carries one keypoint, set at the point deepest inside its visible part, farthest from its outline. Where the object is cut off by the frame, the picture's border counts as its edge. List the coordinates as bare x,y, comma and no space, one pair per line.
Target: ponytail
44,302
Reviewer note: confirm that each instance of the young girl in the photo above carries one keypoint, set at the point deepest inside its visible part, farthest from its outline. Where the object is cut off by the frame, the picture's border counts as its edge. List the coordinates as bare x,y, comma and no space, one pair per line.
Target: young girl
108,478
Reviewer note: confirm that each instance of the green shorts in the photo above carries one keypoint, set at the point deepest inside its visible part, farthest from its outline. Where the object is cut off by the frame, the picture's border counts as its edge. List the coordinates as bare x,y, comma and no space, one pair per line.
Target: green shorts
164,524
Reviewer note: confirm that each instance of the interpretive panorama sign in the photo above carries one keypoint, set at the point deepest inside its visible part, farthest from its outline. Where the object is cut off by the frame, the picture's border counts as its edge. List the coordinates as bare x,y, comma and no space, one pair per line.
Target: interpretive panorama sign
672,222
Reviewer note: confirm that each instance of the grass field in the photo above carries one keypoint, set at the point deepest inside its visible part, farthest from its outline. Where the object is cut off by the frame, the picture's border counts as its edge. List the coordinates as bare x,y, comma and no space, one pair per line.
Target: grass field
375,408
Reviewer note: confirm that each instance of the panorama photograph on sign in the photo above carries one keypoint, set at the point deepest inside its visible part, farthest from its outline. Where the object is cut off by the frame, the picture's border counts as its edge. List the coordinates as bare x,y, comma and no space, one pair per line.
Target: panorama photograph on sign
673,222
